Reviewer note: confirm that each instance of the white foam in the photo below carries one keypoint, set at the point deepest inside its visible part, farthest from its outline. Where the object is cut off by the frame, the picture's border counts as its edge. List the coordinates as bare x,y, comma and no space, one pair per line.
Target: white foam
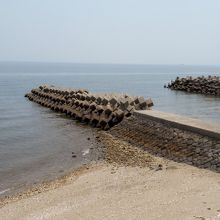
3,191
85,152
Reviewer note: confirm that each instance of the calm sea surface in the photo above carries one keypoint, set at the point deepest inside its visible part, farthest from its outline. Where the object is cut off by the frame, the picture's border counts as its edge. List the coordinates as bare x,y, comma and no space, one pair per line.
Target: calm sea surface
36,143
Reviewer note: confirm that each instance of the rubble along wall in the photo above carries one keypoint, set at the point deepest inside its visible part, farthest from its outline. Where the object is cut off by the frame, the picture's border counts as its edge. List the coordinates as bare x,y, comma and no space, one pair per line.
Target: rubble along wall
204,85
165,140
99,110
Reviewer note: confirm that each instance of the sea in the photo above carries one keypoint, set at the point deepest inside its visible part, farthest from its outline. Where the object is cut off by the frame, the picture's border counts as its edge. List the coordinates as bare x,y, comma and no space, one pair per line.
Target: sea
36,144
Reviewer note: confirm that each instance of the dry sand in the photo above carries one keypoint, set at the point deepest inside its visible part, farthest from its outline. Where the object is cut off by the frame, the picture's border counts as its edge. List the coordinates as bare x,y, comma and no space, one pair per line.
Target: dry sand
107,192
152,188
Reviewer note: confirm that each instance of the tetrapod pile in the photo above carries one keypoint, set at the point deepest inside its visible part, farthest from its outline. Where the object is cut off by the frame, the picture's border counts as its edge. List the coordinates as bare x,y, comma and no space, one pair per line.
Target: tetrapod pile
99,110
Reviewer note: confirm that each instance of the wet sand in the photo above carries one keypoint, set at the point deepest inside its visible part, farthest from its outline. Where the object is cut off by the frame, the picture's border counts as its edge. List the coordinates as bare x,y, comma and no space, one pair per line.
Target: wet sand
129,184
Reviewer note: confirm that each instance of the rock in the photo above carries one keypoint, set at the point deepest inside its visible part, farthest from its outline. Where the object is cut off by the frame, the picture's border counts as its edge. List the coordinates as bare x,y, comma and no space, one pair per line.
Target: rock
160,167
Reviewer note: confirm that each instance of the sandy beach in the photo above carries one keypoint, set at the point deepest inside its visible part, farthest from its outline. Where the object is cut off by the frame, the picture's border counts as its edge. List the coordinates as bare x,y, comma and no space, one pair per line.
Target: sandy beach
129,184
109,192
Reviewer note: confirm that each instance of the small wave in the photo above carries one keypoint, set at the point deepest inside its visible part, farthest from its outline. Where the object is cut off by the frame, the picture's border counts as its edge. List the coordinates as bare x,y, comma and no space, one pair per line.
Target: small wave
85,152
3,191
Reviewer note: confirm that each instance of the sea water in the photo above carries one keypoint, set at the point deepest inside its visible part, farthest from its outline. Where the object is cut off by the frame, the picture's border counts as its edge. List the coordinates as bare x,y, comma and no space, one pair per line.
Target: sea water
36,143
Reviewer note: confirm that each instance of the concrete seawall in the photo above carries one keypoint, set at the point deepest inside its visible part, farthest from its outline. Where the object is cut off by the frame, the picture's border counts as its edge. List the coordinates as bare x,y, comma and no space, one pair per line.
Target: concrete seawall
174,137
181,122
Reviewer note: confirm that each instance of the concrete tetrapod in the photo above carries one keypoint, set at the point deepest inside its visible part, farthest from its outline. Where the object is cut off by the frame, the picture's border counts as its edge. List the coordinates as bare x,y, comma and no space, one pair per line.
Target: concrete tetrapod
99,110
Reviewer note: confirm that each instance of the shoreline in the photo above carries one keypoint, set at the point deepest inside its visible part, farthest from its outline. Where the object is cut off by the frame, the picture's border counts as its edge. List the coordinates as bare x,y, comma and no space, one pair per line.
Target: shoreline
81,149
111,191
117,153
129,178
116,147
47,185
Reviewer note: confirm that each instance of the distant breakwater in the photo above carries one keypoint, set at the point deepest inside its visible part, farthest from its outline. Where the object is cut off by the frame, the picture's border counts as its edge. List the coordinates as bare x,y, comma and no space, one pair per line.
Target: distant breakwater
99,110
209,85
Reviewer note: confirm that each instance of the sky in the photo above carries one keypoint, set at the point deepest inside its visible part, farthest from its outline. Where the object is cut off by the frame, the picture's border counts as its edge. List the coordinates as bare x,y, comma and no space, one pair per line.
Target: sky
111,31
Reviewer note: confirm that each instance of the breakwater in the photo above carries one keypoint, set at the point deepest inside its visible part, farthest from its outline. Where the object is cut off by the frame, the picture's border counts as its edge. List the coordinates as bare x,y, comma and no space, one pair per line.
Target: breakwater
205,85
167,135
99,110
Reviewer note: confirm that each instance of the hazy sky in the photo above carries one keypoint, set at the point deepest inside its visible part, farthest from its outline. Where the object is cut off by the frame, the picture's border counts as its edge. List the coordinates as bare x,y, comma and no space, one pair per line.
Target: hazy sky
111,31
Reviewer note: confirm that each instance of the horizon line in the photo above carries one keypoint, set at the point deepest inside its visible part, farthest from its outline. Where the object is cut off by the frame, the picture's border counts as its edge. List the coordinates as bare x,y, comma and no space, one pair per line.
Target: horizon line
92,63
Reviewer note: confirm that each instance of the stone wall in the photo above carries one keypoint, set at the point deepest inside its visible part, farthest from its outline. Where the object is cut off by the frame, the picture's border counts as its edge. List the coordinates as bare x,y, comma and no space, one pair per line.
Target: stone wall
205,85
167,141
99,110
